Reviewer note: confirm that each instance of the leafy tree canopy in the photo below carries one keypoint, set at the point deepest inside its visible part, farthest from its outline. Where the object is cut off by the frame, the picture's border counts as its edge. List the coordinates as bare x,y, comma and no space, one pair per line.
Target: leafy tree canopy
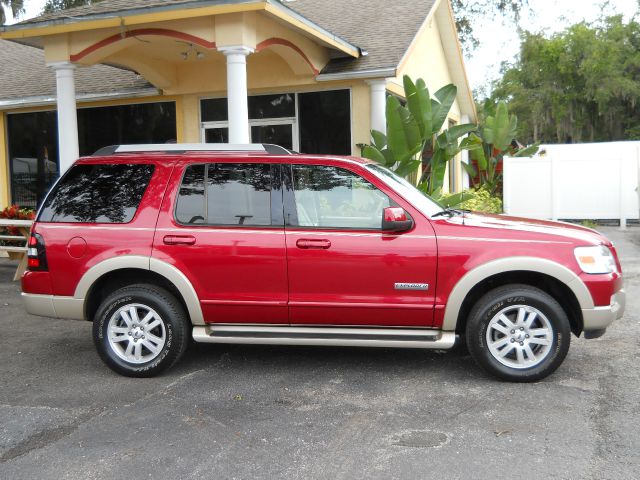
582,84
467,11
15,6
57,5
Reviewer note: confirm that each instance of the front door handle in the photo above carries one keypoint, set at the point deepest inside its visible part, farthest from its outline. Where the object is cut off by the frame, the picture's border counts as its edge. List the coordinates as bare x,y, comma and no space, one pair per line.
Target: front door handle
179,240
313,243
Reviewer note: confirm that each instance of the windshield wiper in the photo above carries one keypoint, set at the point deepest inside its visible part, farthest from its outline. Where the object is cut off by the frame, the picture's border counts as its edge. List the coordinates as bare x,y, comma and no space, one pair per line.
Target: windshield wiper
451,212
447,211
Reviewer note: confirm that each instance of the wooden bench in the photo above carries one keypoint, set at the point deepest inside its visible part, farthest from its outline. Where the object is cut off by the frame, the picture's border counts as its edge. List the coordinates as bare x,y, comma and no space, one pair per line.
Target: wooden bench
17,244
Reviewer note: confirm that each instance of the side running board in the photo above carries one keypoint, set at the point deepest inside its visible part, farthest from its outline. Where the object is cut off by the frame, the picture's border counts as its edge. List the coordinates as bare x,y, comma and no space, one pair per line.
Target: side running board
325,336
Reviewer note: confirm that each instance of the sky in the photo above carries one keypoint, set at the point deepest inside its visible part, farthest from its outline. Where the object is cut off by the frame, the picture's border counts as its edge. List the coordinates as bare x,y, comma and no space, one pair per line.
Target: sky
499,42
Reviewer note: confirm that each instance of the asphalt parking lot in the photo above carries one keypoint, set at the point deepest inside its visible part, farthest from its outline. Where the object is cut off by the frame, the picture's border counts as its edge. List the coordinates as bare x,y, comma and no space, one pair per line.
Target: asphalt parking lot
251,412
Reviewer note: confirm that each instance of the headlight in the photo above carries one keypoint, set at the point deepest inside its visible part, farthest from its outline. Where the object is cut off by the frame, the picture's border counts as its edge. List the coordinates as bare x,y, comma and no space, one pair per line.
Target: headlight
595,259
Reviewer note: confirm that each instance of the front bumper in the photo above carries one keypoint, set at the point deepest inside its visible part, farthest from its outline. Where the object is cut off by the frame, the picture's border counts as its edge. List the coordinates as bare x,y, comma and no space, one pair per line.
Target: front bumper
599,318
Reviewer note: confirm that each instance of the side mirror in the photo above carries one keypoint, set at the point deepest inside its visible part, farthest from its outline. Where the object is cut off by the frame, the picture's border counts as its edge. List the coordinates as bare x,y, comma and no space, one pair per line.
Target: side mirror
395,219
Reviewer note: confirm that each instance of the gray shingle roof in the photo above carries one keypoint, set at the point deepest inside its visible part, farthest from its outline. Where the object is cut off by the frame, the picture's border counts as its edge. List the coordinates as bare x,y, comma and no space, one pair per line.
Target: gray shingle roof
25,74
111,6
383,28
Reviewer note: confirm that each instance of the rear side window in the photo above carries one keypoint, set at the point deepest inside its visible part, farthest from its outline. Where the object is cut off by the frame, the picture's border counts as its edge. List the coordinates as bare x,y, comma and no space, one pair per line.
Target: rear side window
225,194
97,194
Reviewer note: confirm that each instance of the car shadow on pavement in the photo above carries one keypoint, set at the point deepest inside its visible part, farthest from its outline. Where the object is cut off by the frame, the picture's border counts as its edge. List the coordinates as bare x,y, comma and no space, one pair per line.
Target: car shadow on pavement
269,358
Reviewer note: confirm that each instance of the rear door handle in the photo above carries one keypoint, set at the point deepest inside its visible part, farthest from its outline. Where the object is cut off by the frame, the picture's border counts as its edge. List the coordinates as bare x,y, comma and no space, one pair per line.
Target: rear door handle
179,240
313,243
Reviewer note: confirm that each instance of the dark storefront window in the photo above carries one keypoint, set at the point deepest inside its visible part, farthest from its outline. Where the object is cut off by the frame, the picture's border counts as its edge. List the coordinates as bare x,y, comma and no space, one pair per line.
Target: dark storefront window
325,122
272,106
33,141
260,107
33,155
125,124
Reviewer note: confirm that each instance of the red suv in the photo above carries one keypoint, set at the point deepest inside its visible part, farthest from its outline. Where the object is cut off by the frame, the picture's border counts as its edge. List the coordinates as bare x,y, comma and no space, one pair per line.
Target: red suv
253,244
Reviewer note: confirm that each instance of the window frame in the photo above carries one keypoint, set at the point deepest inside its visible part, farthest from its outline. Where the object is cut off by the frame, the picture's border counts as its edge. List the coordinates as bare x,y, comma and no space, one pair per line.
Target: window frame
292,121
275,197
278,120
291,210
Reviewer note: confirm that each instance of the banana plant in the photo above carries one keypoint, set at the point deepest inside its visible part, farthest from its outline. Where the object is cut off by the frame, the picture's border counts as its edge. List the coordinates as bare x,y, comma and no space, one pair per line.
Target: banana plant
416,128
489,149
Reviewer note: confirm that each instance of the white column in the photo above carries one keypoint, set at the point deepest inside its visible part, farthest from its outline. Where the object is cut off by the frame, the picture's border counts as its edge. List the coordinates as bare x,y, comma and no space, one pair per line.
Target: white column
237,92
68,151
378,90
466,181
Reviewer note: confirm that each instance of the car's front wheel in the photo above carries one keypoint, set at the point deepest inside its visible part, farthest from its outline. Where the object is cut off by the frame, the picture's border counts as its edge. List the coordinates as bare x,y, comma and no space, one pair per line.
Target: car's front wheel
518,333
140,330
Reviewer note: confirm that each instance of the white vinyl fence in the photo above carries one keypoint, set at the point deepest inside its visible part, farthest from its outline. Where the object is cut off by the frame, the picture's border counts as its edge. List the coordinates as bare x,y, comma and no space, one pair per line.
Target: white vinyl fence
589,181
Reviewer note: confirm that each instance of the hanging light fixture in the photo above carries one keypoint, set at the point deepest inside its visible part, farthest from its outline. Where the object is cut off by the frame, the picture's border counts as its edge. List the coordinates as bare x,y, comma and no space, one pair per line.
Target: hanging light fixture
191,51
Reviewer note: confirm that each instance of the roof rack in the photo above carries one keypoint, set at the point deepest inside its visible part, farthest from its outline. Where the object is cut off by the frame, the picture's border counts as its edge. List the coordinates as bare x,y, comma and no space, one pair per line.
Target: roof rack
194,147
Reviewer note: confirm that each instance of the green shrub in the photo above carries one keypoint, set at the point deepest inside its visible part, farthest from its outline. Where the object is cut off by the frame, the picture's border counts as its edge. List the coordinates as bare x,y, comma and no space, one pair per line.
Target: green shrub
479,200
589,224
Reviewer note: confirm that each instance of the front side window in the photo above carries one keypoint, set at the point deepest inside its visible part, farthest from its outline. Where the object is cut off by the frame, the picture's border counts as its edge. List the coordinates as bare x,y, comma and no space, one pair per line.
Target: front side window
421,201
97,194
225,194
331,197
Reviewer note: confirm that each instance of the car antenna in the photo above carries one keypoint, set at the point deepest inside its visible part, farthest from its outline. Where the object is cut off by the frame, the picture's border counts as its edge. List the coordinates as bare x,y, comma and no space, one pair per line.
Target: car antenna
464,214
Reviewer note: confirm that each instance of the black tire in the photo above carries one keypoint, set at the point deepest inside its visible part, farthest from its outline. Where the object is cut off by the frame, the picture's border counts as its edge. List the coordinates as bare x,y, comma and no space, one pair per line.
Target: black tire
174,329
509,299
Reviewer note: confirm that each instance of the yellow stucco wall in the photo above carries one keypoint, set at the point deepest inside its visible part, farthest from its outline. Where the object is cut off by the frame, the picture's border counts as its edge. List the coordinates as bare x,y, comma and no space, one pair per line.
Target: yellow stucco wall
427,60
360,115
191,109
4,164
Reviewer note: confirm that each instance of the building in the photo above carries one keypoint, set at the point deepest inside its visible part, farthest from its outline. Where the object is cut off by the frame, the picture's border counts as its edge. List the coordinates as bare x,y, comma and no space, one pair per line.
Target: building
311,75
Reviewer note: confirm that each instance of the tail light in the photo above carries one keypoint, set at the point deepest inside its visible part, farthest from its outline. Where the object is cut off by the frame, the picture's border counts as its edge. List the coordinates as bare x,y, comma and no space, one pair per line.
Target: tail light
36,254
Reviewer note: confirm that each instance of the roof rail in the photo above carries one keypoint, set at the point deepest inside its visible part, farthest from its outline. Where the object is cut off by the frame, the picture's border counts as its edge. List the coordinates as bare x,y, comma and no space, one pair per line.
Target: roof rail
194,147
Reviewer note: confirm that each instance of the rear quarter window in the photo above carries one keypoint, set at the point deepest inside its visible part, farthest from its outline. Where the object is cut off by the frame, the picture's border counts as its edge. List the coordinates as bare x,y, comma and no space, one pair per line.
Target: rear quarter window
97,194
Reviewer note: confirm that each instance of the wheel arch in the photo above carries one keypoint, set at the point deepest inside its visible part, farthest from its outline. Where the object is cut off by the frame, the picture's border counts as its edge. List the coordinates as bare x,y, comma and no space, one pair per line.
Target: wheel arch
552,277
129,269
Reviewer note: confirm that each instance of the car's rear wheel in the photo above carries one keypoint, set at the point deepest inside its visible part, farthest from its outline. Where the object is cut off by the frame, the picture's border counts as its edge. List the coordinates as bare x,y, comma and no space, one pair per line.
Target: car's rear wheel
140,330
518,333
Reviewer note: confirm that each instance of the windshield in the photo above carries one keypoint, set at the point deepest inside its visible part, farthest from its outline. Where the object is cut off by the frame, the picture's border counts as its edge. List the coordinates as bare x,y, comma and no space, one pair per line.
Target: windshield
422,202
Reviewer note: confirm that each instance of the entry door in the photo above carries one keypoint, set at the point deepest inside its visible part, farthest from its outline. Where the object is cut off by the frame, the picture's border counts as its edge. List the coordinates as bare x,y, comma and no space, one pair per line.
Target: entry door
224,230
343,270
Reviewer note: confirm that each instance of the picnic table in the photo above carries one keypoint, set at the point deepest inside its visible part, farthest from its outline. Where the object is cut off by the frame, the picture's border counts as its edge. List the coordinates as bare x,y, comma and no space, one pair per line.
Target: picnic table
19,243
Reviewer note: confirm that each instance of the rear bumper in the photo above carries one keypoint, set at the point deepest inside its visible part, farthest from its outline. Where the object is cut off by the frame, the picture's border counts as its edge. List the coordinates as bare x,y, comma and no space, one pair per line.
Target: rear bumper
54,306
599,318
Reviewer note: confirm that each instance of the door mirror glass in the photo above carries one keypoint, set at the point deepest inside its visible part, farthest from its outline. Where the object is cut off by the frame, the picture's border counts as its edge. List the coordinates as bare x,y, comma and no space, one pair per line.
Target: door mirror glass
395,219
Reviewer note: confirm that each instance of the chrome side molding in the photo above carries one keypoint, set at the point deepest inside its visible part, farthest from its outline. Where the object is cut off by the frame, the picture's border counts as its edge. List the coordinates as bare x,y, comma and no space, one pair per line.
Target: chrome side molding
325,336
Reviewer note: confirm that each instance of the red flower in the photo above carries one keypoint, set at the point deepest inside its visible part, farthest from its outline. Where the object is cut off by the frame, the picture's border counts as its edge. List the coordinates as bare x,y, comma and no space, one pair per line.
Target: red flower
16,213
